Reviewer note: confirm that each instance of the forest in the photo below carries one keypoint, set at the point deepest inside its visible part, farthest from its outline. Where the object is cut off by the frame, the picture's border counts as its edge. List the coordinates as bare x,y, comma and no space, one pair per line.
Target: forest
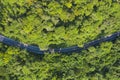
60,24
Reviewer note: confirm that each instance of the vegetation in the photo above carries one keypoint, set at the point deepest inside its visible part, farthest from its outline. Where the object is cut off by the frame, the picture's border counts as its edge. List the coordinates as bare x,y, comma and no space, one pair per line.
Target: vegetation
60,23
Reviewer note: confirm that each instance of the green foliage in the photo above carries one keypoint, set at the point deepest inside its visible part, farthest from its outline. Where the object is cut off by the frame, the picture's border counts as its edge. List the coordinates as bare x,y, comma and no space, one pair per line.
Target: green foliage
60,23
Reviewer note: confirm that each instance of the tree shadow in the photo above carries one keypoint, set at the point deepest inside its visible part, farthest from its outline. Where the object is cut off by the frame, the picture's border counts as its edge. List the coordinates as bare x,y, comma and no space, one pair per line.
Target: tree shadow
61,45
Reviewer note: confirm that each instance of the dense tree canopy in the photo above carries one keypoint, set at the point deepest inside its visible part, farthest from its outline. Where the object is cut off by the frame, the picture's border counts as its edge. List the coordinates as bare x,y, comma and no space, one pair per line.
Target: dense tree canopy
60,23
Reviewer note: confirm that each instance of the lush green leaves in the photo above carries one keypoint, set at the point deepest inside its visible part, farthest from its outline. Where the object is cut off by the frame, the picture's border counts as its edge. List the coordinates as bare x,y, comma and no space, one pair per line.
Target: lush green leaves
60,23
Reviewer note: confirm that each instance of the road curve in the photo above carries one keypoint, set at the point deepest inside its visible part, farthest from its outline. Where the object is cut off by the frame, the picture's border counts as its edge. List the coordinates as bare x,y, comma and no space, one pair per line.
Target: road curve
35,49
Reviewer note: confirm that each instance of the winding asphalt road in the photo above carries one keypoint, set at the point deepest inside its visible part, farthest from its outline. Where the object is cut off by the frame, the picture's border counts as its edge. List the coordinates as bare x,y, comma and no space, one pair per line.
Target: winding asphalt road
35,49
